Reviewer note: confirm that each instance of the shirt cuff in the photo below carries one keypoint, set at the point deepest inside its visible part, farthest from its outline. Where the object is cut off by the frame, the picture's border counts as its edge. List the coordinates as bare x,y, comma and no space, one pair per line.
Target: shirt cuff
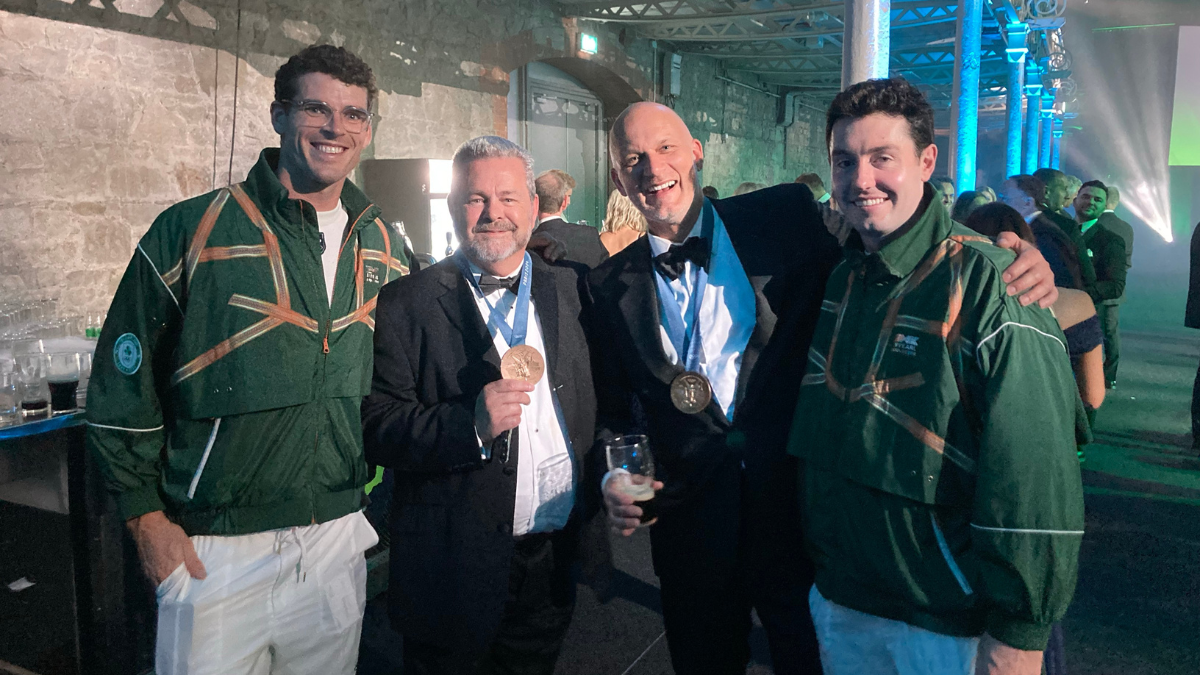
485,452
139,502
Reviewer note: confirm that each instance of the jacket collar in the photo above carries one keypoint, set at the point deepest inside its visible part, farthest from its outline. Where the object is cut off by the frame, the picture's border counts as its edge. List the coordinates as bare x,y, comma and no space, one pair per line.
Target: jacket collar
263,186
905,248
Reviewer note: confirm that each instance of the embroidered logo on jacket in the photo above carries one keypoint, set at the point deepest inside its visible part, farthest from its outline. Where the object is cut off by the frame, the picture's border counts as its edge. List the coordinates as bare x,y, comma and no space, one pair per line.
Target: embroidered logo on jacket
127,354
905,345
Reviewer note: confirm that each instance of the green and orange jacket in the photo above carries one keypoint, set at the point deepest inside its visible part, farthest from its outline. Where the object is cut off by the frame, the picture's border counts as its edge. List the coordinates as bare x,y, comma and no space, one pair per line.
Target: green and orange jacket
225,389
937,427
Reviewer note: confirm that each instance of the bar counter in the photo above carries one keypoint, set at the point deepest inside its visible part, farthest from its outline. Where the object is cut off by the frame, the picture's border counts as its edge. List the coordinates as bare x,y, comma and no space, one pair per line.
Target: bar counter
73,599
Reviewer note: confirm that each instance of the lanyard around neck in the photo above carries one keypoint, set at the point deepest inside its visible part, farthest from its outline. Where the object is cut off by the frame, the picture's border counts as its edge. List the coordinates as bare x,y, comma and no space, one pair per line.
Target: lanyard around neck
513,335
688,341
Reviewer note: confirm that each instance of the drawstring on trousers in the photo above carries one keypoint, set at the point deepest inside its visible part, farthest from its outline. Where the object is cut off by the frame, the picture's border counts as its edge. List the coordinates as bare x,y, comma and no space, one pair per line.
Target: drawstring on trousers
294,532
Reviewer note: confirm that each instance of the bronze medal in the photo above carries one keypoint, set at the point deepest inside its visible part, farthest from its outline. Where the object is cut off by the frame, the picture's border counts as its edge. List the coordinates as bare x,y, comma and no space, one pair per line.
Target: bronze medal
690,392
522,363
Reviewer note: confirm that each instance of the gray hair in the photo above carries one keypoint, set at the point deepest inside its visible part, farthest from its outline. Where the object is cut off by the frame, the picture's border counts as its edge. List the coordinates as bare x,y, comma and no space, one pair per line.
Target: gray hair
489,147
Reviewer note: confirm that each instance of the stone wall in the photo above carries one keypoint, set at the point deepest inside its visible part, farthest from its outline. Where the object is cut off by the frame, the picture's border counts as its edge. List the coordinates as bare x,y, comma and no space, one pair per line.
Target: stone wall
109,115
737,125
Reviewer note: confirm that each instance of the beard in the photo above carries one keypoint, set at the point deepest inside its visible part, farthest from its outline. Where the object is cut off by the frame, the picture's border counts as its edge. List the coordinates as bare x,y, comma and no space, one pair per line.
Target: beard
490,251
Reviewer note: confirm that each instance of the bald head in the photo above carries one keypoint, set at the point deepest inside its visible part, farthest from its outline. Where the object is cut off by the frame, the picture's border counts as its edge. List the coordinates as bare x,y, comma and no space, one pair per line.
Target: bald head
655,162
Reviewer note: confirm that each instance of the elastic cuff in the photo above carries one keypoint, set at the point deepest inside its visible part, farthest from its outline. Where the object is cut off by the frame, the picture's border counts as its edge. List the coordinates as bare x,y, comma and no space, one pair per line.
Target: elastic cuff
1018,634
134,503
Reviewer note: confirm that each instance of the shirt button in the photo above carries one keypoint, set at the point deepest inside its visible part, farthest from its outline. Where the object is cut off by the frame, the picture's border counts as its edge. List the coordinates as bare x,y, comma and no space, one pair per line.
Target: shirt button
508,470
504,528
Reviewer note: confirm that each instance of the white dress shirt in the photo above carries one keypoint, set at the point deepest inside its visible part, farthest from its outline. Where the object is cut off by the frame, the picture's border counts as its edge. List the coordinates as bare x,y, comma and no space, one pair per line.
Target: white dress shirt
728,312
545,471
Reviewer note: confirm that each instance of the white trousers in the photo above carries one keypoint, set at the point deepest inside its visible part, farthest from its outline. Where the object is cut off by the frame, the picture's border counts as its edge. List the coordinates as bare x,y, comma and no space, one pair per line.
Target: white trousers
854,642
280,602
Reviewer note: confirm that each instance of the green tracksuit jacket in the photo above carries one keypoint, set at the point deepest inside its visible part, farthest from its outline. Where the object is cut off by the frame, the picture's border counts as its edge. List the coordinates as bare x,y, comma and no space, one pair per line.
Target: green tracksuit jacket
225,388
937,425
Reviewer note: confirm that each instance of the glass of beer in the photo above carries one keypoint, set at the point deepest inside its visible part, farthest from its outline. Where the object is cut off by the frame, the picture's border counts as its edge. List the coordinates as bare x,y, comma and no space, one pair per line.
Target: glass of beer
632,468
62,375
35,392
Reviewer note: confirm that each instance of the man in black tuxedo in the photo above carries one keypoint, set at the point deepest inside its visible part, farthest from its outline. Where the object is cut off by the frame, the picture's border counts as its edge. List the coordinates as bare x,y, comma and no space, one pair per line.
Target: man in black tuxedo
1110,319
728,537
1026,194
488,452
1109,256
583,246
1057,187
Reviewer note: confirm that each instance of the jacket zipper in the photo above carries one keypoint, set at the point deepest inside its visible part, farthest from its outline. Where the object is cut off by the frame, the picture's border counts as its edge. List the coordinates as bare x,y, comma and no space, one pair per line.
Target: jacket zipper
212,438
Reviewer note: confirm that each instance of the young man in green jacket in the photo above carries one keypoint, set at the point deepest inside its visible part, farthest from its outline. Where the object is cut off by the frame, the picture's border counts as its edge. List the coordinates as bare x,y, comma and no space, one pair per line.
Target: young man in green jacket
224,400
942,494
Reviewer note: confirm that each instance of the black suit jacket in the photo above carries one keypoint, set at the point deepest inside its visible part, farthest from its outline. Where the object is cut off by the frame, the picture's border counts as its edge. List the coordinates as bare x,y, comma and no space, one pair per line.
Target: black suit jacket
452,512
1070,227
1191,317
583,242
1107,251
1113,223
1060,252
787,253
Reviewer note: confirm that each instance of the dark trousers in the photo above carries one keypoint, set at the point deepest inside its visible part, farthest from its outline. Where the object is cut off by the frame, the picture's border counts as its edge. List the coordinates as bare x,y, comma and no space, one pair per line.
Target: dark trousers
1109,320
541,598
708,623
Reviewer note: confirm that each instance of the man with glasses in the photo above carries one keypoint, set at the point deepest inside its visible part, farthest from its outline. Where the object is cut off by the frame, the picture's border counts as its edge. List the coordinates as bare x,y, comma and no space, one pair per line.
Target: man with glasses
224,407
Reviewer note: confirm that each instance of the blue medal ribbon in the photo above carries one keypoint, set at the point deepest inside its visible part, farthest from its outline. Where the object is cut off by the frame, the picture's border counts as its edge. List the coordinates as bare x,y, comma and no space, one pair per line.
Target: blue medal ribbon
513,335
688,342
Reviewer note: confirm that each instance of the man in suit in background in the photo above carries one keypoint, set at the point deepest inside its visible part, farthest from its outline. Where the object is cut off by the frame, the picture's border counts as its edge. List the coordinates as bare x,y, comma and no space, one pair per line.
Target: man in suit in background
1025,193
1110,221
814,183
945,188
1192,320
1108,254
582,242
728,537
483,406
1057,186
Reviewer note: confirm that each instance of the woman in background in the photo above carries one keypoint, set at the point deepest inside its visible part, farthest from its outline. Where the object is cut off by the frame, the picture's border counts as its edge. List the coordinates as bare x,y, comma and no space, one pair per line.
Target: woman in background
623,224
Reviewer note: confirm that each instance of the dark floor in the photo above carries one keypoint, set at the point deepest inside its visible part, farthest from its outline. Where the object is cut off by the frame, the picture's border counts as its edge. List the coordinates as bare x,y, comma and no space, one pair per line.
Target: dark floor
1137,606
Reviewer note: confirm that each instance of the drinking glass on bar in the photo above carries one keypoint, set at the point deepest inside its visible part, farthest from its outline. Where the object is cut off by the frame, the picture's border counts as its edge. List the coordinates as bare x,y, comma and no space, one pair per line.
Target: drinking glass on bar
632,468
62,375
10,403
34,389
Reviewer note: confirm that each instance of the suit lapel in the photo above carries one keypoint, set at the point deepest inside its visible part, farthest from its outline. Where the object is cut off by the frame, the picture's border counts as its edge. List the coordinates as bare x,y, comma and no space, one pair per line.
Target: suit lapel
747,245
544,293
458,302
639,305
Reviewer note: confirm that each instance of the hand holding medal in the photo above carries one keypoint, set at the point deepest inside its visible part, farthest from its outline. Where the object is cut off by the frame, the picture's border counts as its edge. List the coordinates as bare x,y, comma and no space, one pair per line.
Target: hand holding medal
498,409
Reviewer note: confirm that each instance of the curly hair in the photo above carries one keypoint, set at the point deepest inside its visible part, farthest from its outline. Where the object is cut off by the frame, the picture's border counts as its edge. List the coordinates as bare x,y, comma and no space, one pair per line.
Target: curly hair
336,62
895,96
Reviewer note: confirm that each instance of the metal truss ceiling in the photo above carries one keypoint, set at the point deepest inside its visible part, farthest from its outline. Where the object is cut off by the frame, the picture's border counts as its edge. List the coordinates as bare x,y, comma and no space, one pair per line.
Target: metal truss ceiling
798,43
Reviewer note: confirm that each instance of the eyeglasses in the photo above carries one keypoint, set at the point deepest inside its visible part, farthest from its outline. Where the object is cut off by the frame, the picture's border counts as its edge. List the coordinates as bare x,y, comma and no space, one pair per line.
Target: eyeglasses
319,114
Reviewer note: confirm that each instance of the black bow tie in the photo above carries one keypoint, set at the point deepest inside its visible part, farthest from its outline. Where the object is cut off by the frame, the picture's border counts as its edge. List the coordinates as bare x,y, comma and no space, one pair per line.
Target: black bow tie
489,284
670,264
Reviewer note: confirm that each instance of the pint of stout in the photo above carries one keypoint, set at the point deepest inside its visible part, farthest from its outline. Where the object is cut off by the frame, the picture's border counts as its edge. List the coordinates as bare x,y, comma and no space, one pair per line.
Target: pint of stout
632,468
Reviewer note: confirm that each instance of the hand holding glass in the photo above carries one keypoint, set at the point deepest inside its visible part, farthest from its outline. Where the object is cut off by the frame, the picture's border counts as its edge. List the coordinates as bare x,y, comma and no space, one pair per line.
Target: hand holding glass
632,469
